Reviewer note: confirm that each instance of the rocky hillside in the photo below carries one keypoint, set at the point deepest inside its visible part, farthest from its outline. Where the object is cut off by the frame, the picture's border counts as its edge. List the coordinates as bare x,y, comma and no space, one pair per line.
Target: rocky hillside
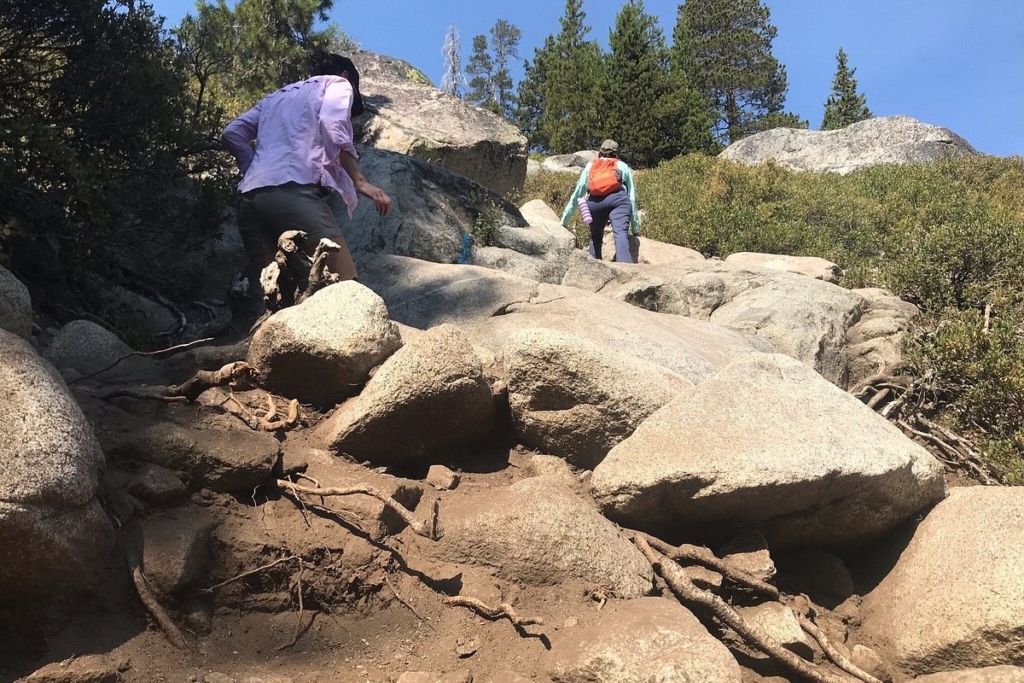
507,463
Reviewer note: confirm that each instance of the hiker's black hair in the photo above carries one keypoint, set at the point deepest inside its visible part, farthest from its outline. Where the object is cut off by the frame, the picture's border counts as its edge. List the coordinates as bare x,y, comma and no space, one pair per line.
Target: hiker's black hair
331,64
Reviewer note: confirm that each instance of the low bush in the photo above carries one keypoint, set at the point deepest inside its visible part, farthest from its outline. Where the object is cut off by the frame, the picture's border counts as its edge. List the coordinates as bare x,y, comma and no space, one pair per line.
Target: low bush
948,236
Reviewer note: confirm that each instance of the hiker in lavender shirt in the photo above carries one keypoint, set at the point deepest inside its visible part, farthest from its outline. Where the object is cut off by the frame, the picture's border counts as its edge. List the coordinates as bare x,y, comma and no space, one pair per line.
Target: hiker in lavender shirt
294,148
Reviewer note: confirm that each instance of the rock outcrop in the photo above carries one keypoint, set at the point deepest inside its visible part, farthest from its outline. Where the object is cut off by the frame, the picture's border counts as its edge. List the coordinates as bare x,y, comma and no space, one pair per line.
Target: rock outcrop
651,639
407,114
539,532
767,444
430,395
322,350
50,469
955,598
15,305
573,398
882,140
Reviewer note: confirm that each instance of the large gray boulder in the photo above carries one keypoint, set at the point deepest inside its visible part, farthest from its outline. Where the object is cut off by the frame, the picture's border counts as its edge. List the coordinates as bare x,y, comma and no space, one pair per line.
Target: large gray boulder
882,140
694,349
86,347
767,445
422,294
799,316
573,398
229,461
432,209
955,598
50,469
322,350
537,531
640,641
809,266
989,674
429,396
408,115
15,305
875,343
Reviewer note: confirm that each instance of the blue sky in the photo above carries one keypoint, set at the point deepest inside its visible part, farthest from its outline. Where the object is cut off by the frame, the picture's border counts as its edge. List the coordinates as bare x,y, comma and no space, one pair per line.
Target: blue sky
952,63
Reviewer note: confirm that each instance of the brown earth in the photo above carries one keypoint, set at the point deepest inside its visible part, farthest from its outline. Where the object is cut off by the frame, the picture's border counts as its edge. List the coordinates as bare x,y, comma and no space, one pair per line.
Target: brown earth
371,607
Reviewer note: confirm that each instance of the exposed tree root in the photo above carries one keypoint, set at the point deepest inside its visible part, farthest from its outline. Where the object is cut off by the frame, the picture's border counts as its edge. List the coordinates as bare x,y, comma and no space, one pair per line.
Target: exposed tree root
292,277
898,400
428,529
266,423
834,655
151,603
406,604
504,610
249,573
232,373
298,626
179,347
703,556
689,594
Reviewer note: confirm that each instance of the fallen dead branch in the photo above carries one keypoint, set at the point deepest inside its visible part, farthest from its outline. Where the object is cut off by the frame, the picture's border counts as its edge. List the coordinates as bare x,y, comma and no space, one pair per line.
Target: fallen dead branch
689,594
898,400
428,529
151,603
834,655
504,610
172,349
235,373
703,556
266,423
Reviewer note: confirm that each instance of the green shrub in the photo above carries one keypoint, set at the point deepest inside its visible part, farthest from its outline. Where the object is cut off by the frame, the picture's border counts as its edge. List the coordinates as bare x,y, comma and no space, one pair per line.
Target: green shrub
948,236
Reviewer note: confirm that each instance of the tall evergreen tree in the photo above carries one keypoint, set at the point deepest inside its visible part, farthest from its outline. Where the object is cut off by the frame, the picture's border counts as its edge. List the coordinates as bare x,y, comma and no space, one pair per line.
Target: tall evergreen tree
529,100
491,83
845,105
733,67
480,68
573,114
652,111
505,38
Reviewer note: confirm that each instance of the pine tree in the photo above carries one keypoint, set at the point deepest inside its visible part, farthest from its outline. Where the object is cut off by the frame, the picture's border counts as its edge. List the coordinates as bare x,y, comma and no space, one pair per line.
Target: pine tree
529,100
685,113
505,38
480,67
637,73
844,106
491,83
572,88
733,66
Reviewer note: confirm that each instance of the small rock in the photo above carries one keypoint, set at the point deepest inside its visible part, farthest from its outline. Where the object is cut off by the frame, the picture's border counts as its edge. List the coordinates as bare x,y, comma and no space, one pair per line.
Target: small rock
467,649
87,669
779,622
867,660
703,577
156,485
176,547
460,676
359,552
820,574
417,677
540,465
440,477
198,618
507,677
748,552
218,678
571,622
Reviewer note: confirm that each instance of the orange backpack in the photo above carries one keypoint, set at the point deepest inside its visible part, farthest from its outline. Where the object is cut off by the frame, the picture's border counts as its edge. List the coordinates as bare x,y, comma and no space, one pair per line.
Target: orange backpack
604,177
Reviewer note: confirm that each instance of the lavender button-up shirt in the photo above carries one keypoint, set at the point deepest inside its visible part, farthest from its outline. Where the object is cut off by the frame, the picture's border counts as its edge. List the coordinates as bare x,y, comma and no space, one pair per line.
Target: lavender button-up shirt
300,131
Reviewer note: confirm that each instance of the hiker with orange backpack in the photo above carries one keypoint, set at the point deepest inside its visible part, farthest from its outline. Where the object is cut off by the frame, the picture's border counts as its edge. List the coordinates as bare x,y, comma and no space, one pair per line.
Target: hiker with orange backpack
606,189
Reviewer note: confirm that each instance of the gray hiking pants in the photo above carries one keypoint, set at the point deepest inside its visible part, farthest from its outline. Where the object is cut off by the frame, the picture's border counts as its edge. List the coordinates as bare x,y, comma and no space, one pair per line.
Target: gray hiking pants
614,207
